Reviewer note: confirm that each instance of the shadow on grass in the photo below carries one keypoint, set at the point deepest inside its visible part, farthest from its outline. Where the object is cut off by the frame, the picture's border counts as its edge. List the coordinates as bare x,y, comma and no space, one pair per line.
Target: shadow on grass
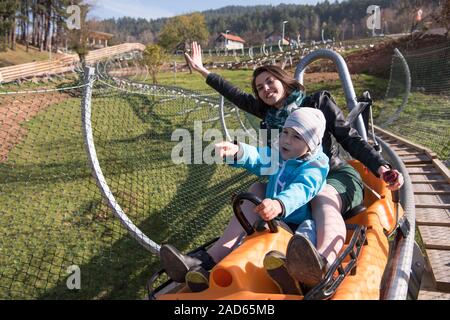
67,171
113,266
124,275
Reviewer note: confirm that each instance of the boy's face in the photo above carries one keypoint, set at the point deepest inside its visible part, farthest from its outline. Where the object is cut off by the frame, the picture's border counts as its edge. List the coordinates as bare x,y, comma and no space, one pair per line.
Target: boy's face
292,144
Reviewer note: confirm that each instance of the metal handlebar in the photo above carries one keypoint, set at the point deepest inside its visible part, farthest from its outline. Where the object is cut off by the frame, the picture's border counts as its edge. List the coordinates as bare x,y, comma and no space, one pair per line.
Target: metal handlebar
344,75
241,217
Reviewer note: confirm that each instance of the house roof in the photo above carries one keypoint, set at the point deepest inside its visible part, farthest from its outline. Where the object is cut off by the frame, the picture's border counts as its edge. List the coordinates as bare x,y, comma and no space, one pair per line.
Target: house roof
99,34
232,37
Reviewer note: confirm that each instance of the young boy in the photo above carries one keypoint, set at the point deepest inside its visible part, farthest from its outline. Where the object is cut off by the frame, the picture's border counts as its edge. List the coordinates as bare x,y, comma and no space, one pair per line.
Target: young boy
300,175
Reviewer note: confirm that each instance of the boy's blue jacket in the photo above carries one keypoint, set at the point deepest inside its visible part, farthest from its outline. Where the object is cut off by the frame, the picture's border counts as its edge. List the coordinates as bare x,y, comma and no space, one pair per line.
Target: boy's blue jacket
293,182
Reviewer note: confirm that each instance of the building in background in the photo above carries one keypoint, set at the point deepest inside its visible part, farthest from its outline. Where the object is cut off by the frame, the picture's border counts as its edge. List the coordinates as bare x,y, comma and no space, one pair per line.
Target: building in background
97,39
229,41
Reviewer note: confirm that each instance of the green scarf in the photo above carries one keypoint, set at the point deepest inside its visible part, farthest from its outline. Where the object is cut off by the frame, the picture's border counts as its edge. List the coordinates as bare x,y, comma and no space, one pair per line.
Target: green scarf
275,118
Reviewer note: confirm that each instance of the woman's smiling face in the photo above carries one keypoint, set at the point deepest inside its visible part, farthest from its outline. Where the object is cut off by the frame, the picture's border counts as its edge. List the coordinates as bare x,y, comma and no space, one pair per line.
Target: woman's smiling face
270,89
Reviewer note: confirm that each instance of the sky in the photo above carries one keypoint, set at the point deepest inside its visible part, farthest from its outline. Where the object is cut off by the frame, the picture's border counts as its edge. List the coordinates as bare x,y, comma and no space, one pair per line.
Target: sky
151,9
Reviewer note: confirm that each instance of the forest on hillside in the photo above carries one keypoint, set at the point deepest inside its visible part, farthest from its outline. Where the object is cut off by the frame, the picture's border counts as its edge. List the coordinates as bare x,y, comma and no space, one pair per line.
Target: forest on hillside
340,20
42,23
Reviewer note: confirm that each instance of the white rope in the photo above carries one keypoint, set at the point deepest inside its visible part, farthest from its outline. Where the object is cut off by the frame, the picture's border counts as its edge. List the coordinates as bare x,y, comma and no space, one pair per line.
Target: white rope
42,90
181,95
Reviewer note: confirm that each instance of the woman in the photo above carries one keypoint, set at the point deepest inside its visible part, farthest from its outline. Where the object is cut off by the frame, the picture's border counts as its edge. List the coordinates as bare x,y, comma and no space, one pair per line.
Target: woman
276,95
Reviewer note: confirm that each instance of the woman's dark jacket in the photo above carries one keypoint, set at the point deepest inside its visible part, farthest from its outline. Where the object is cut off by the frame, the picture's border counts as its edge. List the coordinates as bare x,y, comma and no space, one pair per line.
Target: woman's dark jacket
336,125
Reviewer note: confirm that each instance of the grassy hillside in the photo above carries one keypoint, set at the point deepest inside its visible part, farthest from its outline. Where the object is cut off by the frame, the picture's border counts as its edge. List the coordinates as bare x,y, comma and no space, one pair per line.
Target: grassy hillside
51,212
52,215
18,56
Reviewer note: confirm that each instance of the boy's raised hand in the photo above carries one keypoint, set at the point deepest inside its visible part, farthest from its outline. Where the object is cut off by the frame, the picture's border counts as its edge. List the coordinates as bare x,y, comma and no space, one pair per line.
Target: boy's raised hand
226,149
269,209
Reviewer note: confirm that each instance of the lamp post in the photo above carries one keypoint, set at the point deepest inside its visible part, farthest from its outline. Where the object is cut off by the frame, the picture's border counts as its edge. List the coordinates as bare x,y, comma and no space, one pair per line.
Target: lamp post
374,21
226,40
282,37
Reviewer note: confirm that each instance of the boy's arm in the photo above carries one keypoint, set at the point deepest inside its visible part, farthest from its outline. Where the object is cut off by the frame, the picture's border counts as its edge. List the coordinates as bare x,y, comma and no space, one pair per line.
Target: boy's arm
308,183
252,159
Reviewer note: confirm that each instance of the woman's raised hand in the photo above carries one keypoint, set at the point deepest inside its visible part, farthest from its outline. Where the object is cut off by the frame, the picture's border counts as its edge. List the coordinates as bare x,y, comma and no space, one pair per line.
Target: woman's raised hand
195,62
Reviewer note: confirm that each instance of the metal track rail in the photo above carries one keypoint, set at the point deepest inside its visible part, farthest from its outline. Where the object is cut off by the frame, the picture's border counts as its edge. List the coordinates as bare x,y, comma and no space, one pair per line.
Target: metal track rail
430,181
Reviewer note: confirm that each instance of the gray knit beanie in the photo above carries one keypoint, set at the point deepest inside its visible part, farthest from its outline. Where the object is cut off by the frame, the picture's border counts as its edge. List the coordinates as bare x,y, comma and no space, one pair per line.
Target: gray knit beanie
310,123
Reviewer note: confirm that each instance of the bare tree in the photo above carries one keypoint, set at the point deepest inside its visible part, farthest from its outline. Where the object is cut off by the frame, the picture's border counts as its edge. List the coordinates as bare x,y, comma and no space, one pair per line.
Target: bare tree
78,38
442,17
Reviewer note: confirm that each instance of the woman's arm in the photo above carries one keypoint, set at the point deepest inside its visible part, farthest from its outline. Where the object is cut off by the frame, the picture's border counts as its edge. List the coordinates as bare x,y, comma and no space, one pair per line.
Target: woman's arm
348,137
352,142
239,98
242,100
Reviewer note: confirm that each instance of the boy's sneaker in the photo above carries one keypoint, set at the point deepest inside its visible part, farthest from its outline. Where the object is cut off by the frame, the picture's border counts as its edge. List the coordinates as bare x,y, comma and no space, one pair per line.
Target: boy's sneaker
197,279
178,264
304,262
275,265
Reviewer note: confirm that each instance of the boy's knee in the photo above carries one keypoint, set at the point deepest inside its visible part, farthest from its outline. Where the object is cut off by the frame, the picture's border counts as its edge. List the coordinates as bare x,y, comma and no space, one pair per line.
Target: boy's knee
327,202
258,188
328,195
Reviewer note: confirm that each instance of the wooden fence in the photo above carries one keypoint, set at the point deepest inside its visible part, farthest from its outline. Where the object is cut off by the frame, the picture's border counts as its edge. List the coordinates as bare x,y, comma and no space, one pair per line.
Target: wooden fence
64,64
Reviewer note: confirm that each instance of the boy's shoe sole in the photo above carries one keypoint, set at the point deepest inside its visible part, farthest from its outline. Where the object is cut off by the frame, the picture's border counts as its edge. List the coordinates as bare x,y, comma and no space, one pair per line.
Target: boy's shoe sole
197,279
173,262
304,262
275,265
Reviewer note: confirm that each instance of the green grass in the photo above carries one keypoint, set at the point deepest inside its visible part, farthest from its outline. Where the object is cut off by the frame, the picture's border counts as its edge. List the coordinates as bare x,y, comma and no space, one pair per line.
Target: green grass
194,81
52,214
425,120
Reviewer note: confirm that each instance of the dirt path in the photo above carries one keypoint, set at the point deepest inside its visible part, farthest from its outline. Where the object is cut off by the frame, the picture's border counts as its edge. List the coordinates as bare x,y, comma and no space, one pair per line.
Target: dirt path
377,60
18,108
318,77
